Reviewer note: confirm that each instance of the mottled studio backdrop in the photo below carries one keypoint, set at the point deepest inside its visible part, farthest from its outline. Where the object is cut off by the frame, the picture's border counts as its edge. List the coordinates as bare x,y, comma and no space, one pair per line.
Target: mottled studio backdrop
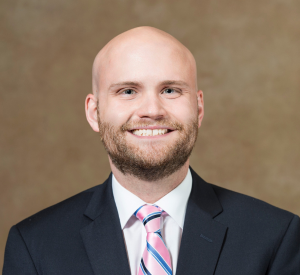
248,56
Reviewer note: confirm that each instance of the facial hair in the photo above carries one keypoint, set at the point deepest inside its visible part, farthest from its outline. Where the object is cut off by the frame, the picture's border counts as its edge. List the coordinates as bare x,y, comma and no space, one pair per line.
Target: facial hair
155,162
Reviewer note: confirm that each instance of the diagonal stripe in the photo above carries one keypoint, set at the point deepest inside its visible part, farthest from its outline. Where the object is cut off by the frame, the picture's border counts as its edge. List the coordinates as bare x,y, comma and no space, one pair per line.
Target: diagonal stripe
158,233
156,258
159,259
152,265
159,245
144,268
151,218
138,210
151,214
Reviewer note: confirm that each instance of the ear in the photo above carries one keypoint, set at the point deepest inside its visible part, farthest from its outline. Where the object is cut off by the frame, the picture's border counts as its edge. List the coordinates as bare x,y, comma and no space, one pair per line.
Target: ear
91,111
200,106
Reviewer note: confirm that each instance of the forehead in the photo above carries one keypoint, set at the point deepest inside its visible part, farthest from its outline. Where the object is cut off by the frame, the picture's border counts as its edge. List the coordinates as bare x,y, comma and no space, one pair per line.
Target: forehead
145,62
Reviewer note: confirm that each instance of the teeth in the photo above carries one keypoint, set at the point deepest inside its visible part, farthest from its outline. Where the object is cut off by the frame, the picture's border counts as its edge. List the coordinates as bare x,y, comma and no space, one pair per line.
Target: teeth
148,132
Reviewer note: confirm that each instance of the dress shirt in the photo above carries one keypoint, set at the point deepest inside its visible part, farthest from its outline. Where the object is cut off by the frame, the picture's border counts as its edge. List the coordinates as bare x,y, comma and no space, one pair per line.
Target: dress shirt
172,220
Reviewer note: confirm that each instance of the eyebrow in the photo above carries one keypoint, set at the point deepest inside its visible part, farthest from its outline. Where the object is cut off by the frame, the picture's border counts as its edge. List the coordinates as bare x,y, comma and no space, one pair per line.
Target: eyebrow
126,83
139,84
175,82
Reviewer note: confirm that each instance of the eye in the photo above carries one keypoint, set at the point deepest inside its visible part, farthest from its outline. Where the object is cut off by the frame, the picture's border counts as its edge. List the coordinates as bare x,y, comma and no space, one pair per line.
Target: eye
171,93
128,92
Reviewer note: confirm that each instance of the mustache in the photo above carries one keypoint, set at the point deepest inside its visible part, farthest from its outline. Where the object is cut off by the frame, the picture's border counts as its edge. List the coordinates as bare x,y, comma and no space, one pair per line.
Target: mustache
145,123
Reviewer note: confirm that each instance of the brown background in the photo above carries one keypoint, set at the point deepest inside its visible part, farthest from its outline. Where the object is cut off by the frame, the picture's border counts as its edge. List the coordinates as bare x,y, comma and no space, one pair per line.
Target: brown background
248,65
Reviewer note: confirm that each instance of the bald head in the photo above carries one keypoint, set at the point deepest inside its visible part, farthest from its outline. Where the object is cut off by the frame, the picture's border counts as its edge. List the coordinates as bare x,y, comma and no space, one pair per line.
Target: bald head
143,44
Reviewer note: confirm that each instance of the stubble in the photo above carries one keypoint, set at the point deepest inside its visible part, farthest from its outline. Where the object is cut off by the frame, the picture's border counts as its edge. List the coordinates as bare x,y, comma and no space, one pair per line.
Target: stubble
154,162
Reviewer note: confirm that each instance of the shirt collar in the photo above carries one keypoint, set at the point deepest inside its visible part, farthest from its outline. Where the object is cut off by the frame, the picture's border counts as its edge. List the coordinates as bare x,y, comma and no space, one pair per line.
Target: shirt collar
174,203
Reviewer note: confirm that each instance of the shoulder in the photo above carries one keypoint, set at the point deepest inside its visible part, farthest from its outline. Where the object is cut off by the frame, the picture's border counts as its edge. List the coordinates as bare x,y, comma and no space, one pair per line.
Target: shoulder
233,207
247,212
238,202
65,214
258,230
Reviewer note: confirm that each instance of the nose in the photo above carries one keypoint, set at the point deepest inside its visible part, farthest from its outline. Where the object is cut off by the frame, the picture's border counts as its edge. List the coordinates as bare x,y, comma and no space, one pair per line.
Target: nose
151,106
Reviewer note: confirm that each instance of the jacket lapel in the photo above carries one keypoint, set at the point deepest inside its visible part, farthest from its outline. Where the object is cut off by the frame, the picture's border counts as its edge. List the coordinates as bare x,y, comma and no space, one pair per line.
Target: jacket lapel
203,237
103,236
201,242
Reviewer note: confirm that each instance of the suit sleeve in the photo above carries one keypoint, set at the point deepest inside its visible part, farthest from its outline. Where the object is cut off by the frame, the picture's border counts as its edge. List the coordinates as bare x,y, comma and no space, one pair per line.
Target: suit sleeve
17,259
287,257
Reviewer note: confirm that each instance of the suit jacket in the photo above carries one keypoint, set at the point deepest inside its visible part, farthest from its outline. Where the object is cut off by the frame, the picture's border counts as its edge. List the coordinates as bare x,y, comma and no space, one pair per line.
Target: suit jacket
225,233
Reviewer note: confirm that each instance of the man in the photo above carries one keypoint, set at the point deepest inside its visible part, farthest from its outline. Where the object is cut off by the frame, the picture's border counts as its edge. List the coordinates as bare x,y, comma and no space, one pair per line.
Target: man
154,214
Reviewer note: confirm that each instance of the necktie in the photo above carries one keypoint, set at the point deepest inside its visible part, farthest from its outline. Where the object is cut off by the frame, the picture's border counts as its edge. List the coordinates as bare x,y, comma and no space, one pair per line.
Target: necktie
156,258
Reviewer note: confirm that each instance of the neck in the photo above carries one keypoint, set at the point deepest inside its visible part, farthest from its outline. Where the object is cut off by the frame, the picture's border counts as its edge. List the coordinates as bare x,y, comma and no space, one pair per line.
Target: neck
150,191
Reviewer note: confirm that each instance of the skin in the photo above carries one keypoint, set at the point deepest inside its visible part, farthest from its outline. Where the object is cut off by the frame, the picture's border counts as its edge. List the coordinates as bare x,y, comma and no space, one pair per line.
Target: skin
132,78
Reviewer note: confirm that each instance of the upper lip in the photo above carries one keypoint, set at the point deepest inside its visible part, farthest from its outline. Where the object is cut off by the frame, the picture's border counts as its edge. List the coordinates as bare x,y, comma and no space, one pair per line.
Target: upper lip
151,128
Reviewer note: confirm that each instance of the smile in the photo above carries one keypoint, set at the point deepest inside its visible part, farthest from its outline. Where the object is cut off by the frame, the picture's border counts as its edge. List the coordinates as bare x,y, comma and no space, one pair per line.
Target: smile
150,132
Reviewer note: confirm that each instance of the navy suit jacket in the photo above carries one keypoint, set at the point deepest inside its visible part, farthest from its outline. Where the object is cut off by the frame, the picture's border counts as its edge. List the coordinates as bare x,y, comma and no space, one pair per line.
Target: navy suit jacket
225,233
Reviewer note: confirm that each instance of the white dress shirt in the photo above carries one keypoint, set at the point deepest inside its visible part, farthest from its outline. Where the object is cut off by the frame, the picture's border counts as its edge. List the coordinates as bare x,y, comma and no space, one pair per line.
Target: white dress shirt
174,204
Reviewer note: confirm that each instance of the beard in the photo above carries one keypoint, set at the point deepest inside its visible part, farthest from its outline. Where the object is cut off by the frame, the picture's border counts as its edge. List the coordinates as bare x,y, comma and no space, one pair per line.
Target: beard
153,160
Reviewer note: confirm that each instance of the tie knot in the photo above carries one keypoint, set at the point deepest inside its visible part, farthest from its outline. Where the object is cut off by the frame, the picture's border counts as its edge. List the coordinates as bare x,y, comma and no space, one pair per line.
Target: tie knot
149,215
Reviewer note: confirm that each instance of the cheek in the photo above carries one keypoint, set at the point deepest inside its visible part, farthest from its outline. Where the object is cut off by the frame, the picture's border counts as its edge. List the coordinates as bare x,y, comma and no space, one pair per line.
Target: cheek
184,111
114,112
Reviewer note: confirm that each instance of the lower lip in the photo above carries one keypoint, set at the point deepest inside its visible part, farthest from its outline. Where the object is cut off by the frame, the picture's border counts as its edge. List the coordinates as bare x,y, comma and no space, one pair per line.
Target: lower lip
151,137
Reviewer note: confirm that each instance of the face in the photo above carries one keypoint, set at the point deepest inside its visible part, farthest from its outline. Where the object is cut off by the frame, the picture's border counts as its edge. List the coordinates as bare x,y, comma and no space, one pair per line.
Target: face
148,113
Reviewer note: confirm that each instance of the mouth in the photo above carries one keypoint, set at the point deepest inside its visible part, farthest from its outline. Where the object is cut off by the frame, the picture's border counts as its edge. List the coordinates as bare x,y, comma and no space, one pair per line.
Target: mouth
150,132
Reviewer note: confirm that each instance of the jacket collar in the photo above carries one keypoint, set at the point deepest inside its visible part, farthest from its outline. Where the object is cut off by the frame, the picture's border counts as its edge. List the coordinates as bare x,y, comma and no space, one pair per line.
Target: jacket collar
103,237
201,242
202,195
203,237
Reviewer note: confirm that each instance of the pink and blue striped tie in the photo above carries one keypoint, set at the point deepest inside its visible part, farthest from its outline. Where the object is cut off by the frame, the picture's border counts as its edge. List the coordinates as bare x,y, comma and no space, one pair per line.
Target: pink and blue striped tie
156,258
